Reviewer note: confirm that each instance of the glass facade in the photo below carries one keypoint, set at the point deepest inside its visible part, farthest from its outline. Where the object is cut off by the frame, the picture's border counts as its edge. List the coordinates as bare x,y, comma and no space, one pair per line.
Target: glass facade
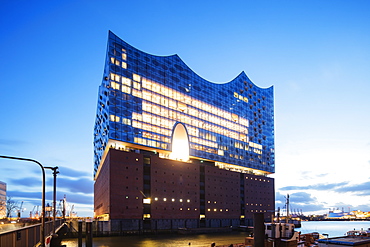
142,97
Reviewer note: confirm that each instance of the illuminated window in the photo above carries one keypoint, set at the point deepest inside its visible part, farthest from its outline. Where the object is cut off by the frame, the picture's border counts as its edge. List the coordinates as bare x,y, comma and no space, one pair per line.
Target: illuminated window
114,118
126,81
126,89
114,85
136,85
136,93
146,201
181,106
172,104
180,143
124,56
115,77
164,101
114,61
136,77
126,121
137,124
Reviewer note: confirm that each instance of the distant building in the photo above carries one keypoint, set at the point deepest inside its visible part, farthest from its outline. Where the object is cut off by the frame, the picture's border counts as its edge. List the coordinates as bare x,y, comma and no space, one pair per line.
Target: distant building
175,150
2,200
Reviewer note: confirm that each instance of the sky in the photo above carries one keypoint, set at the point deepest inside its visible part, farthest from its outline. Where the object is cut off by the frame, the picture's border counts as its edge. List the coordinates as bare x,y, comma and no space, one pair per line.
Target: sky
315,53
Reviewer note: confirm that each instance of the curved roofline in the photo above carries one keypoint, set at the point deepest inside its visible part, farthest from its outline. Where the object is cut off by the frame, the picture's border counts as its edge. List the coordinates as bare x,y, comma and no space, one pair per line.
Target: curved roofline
180,59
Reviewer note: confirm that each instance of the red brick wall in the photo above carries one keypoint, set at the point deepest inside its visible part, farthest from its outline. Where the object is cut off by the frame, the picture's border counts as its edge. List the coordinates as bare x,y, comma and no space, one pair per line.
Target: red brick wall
222,193
174,181
126,184
102,189
259,195
117,188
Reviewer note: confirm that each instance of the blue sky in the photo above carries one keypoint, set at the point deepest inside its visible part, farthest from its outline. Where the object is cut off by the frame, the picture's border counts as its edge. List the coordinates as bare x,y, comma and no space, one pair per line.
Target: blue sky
316,54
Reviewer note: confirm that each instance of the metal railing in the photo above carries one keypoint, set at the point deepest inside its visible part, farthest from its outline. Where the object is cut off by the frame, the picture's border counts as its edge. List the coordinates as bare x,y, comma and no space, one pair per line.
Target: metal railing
26,236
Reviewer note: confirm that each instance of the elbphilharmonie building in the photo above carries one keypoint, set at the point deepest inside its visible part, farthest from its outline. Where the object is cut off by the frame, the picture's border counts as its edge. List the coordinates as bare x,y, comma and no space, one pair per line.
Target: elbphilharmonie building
174,150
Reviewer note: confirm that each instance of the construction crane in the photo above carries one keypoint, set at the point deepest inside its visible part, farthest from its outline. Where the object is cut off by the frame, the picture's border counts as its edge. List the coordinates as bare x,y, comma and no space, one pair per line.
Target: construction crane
20,210
31,212
71,212
37,212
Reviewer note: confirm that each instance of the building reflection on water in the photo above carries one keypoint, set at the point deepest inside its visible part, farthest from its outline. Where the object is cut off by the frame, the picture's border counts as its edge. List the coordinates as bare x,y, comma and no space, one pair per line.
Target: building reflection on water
201,240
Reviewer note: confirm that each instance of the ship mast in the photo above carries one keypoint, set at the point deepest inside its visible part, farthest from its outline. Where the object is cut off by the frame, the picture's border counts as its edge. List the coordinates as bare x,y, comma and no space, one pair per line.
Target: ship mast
287,209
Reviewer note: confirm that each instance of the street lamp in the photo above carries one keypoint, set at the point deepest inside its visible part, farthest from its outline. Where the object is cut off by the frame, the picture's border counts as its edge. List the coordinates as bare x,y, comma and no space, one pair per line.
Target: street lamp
42,230
55,172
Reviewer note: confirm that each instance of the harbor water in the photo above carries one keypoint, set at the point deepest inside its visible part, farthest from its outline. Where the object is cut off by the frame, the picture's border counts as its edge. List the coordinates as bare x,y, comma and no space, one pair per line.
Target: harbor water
333,228
161,240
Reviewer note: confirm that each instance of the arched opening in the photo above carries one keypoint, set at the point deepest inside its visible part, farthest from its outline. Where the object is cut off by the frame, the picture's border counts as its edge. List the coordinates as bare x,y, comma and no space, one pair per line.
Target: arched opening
180,143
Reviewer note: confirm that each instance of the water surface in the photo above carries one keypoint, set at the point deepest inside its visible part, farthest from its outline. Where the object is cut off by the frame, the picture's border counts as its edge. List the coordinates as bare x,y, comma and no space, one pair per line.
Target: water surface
175,240
333,228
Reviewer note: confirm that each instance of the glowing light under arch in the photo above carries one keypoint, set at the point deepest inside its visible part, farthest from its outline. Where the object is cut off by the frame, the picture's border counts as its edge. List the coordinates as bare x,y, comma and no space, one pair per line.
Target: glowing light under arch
180,143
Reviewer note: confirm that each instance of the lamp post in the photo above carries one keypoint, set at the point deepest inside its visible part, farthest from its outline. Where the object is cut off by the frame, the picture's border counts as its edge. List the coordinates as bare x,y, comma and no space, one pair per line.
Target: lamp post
55,172
42,230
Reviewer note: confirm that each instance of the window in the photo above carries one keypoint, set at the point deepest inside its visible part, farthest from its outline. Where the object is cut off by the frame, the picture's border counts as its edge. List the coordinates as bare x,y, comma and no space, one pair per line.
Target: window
126,89
126,121
114,85
137,85
136,77
126,81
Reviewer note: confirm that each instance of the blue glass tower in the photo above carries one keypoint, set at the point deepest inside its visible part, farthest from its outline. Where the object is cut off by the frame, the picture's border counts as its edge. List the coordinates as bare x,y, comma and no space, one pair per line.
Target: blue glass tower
143,97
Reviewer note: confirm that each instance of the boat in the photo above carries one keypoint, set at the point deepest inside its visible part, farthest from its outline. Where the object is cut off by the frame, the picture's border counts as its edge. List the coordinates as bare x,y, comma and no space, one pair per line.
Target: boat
289,218
359,233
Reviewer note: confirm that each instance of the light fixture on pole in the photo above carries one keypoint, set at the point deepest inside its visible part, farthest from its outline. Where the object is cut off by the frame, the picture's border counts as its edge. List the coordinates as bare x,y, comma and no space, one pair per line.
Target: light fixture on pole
42,230
55,172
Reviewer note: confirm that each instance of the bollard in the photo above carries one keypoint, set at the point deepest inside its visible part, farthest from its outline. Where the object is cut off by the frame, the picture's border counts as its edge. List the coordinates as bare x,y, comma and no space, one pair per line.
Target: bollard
89,233
80,233
259,230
